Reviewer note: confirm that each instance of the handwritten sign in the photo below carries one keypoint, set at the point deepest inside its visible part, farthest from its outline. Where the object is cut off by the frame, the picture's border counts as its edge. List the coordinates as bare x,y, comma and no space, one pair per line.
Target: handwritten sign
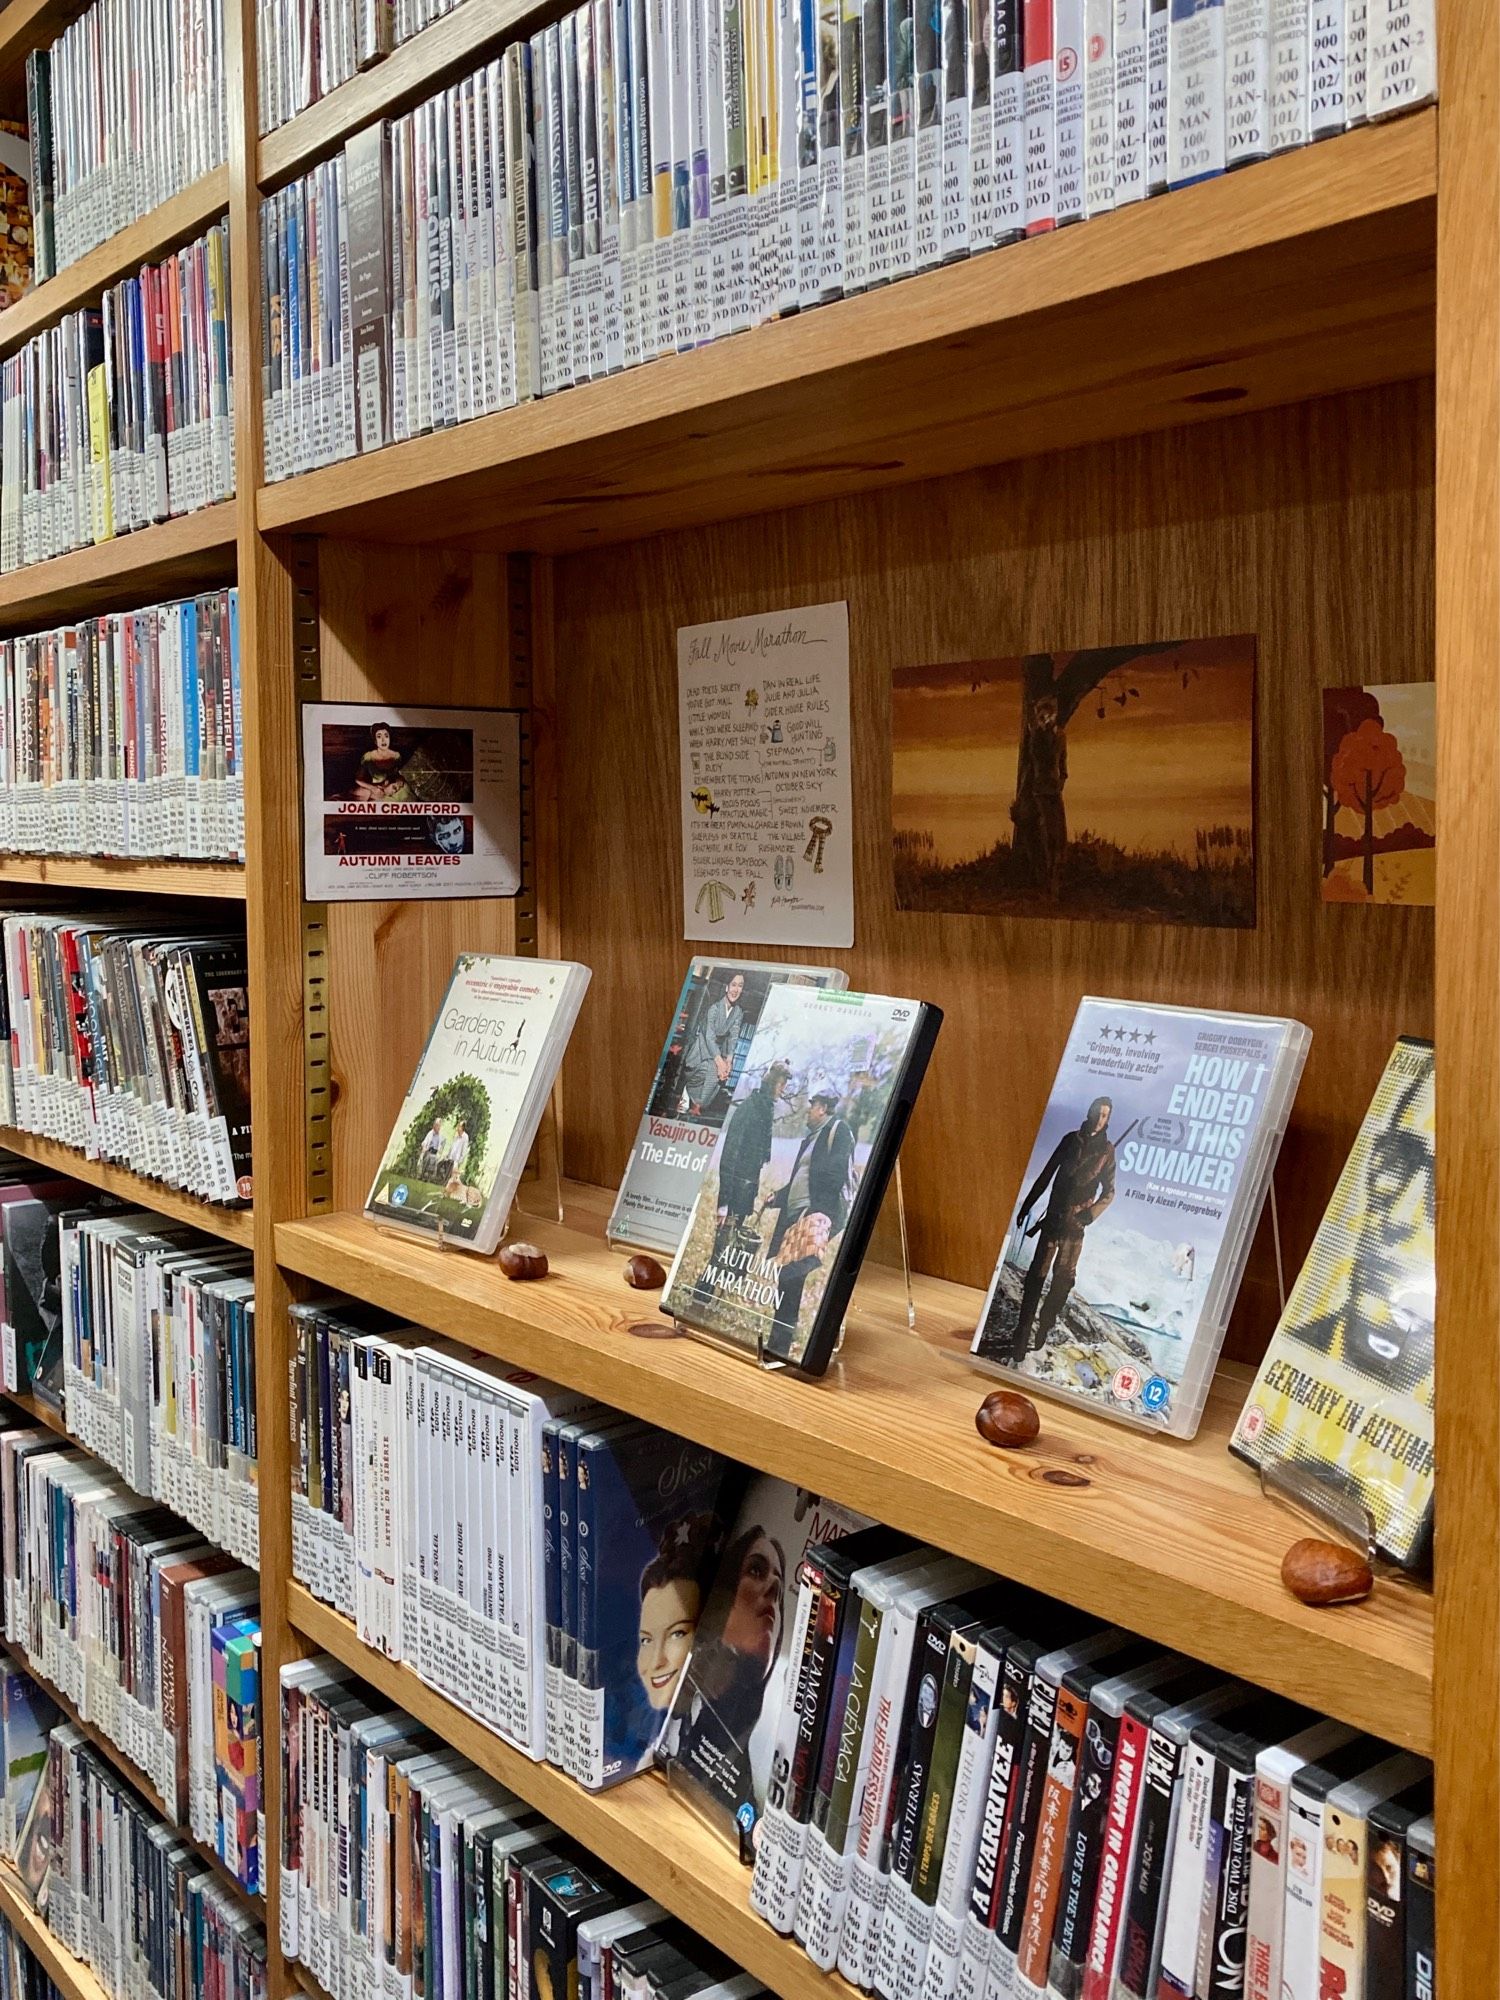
767,827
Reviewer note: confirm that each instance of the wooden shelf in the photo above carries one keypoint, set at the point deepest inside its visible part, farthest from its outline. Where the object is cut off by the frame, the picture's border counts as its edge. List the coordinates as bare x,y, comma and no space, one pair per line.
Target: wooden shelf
188,553
1172,1540
1295,278
637,1828
234,1225
185,215
147,876
135,1777
458,42
38,1413
70,1975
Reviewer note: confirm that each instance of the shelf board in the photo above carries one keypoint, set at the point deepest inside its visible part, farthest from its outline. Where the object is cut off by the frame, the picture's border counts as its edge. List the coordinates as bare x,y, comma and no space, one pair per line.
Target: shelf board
185,215
637,1828
1173,1540
147,876
37,1412
1298,277
135,1777
188,553
454,45
70,1975
234,1225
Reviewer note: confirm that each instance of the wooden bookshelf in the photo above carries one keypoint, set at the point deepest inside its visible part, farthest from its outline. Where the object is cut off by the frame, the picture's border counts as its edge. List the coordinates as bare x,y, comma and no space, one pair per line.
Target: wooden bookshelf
637,1828
224,881
175,222
190,552
1173,1540
1214,412
234,1225
1299,277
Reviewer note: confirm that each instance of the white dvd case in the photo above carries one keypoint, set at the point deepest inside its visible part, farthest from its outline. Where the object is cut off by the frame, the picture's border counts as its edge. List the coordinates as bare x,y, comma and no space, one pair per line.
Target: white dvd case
1100,85
1195,106
1068,46
1402,71
1247,81
1325,84
471,1112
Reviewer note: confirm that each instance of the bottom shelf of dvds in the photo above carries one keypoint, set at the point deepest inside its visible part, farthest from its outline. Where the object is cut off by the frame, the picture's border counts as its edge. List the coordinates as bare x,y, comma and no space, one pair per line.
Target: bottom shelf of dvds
1173,1540
638,1829
71,1977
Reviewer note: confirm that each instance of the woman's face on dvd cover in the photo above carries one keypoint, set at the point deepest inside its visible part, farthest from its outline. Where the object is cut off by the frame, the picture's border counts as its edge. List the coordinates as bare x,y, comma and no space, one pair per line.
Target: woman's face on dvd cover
669,1618
753,1626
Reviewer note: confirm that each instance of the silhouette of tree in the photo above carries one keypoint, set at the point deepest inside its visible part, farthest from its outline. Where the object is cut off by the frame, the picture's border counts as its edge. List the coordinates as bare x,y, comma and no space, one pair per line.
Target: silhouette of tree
1052,687
1344,709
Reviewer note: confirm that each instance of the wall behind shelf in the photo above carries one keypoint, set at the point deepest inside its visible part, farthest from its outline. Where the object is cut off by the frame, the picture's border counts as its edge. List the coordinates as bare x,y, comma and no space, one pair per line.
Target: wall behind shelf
1311,527
428,628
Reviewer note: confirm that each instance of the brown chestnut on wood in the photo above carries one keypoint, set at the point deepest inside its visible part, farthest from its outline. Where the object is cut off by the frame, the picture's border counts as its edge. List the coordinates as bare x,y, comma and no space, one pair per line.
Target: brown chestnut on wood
1326,1573
522,1261
1007,1419
644,1274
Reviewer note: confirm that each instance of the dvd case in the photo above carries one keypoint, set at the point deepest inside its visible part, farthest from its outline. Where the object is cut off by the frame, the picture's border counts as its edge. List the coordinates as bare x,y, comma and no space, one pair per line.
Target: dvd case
784,1213
1345,1392
471,1112
1132,1227
697,1074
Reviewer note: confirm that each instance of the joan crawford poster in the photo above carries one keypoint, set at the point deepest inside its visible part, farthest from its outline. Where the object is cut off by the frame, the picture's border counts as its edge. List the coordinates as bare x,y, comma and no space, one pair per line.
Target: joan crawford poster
410,802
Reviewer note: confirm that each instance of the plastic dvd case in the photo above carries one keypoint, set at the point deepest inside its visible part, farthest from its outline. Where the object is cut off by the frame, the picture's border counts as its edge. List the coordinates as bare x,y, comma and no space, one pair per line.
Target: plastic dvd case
461,1139
1129,1238
697,1074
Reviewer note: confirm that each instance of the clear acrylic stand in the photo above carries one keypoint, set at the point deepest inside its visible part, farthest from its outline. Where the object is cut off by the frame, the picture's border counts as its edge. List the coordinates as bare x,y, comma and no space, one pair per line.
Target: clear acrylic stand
1312,1498
772,1363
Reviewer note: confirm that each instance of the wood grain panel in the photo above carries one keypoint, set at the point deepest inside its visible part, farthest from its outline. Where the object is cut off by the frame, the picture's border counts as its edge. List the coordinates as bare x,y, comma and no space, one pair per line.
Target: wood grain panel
1467,1530
223,880
425,627
1173,1540
1311,528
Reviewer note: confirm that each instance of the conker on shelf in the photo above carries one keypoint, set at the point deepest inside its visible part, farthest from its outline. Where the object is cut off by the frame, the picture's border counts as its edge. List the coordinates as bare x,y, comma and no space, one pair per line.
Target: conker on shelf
1320,1572
522,1261
1007,1419
644,1274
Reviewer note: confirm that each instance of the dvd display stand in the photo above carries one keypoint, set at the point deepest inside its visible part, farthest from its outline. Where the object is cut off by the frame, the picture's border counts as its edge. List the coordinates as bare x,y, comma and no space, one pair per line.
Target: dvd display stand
770,1363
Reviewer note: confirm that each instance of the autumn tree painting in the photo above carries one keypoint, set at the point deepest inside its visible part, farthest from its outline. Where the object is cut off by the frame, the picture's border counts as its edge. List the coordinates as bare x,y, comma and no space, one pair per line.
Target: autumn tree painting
1111,782
1379,812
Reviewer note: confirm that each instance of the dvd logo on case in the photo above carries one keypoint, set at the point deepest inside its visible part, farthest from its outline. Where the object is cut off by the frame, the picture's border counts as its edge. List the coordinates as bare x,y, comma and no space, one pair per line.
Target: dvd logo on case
400,1195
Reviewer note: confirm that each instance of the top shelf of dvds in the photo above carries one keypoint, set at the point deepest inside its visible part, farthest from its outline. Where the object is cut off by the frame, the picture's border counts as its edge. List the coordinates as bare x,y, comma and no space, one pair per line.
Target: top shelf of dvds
1298,277
26,25
443,49
1170,1539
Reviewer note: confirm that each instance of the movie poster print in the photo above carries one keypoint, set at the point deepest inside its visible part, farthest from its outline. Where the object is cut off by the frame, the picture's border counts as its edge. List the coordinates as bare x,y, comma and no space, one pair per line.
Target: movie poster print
410,803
